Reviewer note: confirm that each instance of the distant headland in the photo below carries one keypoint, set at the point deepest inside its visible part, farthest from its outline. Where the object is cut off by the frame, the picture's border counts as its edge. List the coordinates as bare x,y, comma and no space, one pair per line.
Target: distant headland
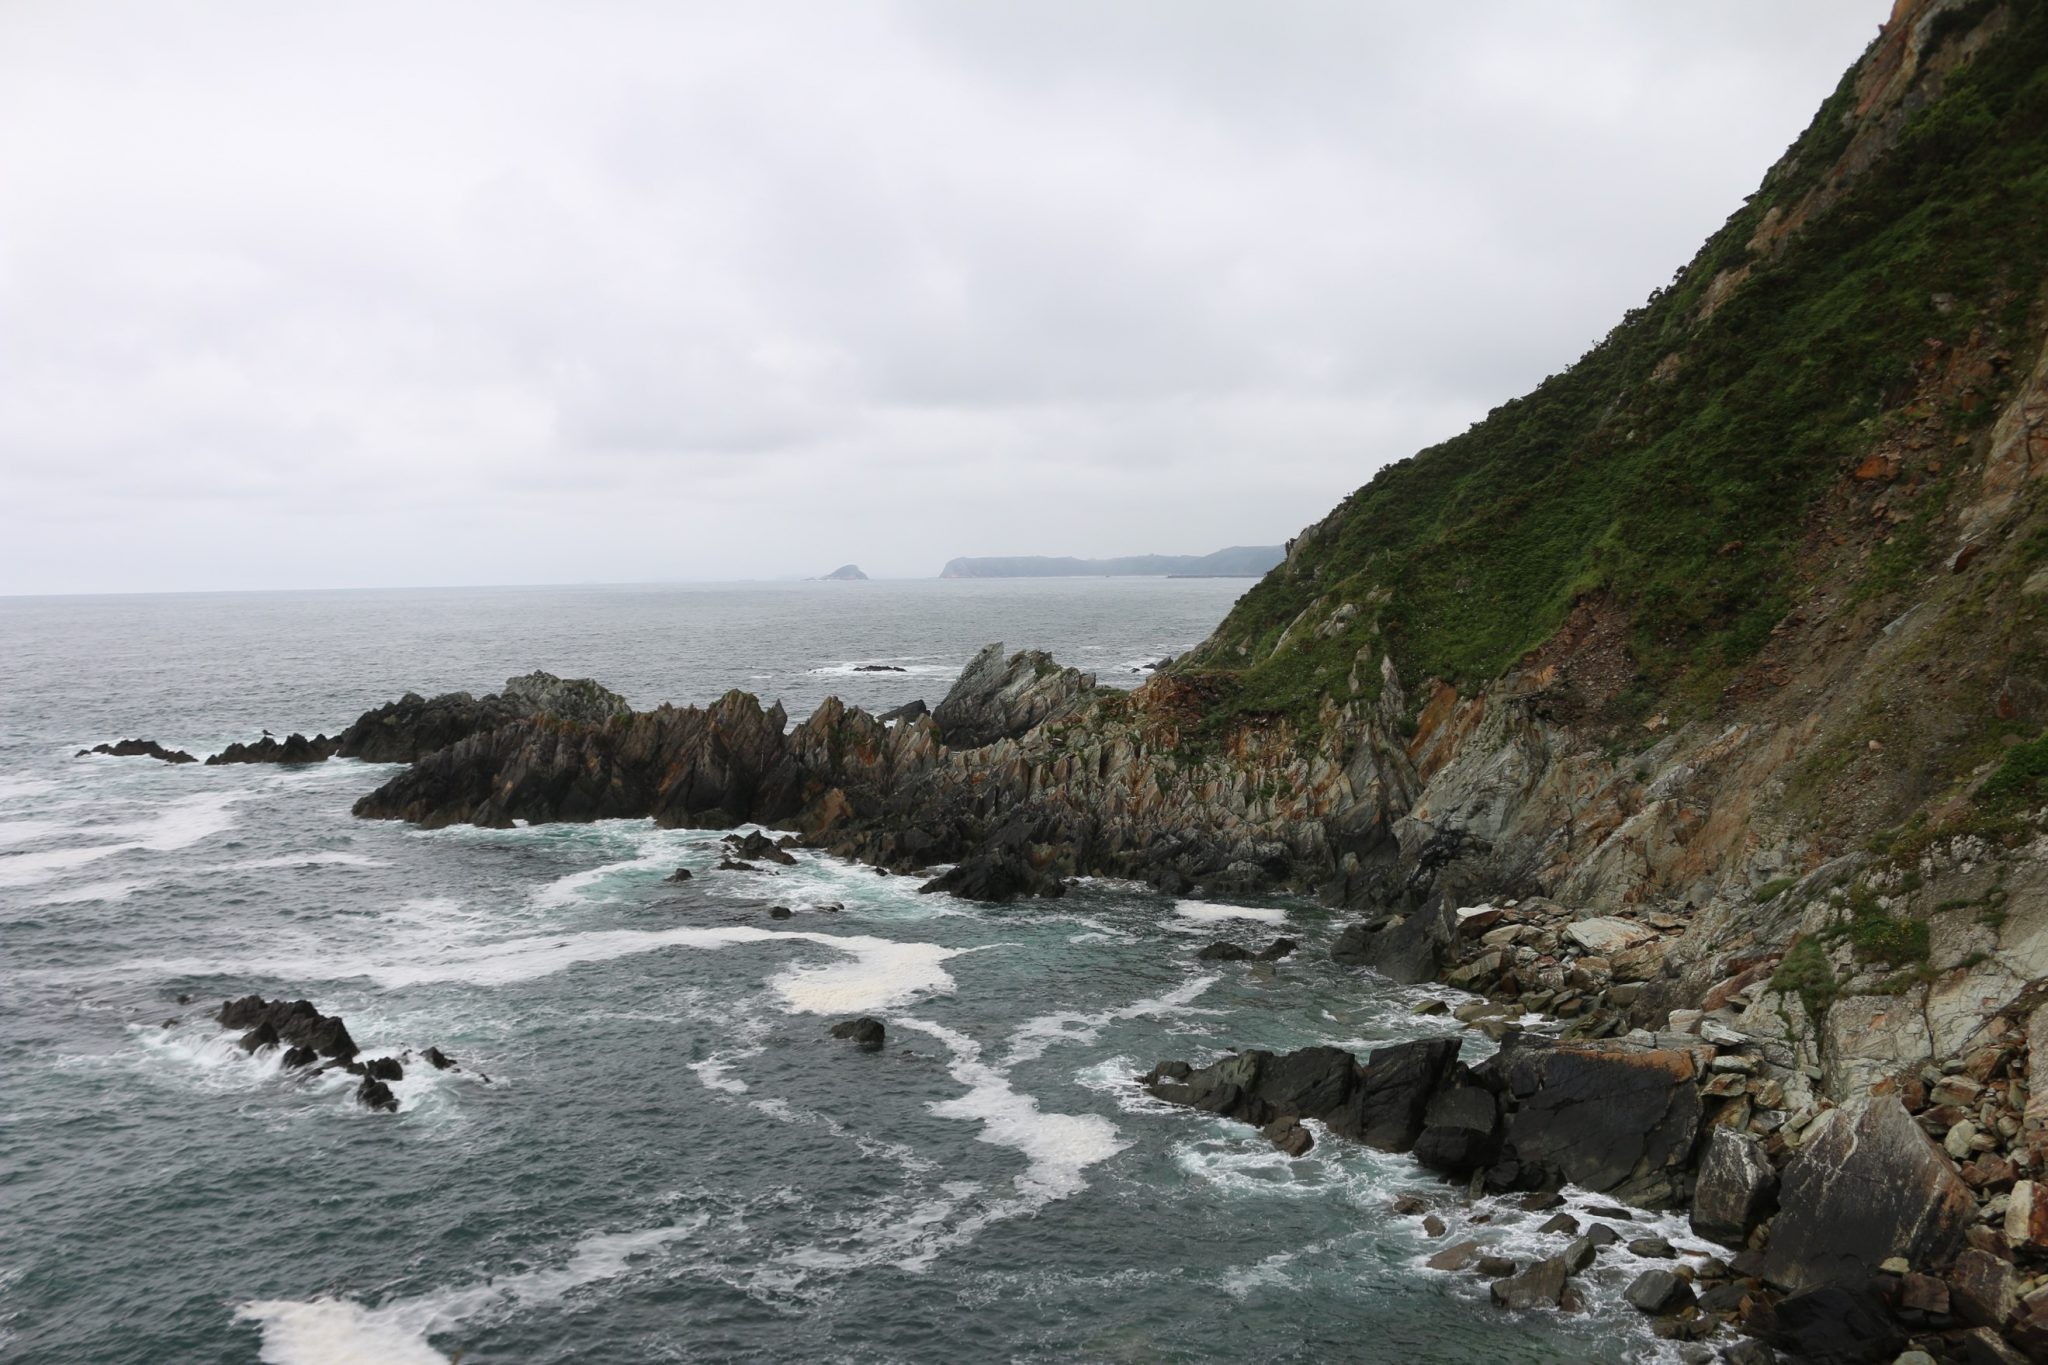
1238,561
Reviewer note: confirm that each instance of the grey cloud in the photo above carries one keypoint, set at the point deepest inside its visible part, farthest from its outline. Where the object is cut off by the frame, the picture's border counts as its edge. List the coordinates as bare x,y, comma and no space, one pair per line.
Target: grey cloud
520,292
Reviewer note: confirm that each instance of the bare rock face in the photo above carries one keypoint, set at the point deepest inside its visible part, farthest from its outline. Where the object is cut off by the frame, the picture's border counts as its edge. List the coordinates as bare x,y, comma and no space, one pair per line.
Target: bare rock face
1736,1190
1381,1102
1407,950
997,698
1622,1121
1866,1187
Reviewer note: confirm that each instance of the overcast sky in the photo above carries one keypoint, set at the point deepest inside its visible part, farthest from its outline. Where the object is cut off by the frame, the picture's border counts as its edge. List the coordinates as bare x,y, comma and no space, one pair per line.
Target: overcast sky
319,295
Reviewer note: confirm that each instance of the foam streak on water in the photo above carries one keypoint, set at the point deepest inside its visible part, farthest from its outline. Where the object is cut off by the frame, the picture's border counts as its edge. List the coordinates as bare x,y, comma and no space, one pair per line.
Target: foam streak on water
342,1332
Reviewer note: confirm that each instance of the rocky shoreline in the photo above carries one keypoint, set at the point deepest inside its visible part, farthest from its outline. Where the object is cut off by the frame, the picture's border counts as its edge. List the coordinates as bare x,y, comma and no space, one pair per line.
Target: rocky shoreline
1863,1205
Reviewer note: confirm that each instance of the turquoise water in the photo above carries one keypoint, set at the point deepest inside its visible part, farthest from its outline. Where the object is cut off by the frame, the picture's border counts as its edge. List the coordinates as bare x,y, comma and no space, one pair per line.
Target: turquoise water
669,1160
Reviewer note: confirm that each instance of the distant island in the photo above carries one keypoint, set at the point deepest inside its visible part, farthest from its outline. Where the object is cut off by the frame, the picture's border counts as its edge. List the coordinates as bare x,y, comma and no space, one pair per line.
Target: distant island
845,573
1239,561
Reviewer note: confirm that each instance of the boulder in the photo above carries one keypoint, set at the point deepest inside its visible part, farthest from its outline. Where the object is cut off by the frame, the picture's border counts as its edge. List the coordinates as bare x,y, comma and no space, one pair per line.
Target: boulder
139,748
756,845
374,1094
2026,1215
1605,937
1289,1136
865,1032
1736,1188
1865,1187
1540,1286
1658,1292
1830,1325
1981,1288
681,874
299,1056
384,1069
1457,1256
1233,952
439,1060
909,711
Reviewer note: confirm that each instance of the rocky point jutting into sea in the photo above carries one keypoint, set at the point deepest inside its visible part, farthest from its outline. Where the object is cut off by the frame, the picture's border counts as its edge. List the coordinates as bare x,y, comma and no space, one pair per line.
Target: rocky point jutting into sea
1690,710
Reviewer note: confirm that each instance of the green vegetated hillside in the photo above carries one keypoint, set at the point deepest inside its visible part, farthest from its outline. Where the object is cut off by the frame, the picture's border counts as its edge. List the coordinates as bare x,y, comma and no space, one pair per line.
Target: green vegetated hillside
1678,464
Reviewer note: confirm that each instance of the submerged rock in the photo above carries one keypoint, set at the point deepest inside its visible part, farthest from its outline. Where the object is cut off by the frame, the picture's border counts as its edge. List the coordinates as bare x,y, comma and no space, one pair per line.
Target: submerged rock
374,1094
139,748
755,844
1232,952
865,1032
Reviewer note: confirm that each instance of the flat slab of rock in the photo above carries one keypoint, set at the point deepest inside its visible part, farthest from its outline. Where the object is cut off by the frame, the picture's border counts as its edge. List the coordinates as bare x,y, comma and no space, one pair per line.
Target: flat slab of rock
1604,937
1865,1187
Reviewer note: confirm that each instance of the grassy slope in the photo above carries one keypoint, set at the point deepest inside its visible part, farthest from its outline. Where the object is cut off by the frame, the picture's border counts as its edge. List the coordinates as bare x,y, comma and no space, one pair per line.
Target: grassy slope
1605,478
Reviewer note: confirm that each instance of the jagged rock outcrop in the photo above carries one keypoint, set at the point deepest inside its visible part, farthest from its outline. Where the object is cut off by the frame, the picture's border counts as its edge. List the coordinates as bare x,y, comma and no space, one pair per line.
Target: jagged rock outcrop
292,749
295,1022
406,730
1002,697
139,748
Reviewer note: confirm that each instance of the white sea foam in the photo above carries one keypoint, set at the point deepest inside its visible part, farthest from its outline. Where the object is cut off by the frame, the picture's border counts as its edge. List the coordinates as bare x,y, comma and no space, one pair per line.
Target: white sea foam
186,821
716,1074
22,831
882,974
324,859
328,1331
1034,1036
1058,1146
177,824
32,869
13,787
108,891
1207,912
877,974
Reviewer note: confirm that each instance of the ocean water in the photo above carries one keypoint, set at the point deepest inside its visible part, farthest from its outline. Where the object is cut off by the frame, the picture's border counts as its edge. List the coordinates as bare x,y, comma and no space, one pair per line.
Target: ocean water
652,1150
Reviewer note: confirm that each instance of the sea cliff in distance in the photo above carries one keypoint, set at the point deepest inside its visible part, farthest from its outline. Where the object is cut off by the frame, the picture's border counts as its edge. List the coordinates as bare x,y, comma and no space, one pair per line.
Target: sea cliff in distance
1238,561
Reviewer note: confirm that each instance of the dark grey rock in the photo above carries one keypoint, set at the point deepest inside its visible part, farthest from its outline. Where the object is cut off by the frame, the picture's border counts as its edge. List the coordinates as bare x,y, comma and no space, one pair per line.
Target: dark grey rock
1658,1292
1736,1188
1862,1189
865,1032
1540,1286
